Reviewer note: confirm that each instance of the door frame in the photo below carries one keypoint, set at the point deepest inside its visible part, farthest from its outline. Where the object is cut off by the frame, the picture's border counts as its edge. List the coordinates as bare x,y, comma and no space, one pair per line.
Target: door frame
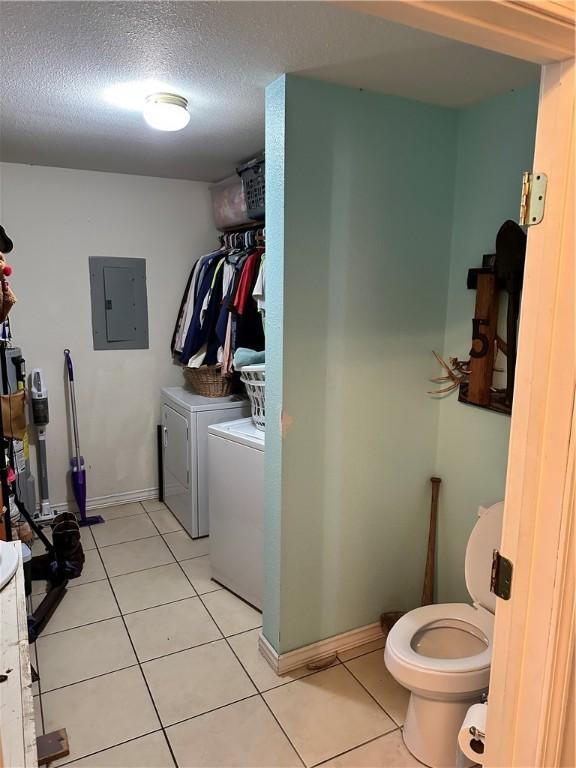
532,675
541,31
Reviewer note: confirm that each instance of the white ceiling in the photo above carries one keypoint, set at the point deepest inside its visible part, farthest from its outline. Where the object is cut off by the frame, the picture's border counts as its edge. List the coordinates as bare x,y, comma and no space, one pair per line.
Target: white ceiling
58,58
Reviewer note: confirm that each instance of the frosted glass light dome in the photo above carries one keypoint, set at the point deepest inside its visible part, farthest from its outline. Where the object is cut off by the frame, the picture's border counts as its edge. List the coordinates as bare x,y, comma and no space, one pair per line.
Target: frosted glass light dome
166,111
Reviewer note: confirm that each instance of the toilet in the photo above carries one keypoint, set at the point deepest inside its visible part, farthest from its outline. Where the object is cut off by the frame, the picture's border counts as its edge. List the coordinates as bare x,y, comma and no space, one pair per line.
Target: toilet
442,654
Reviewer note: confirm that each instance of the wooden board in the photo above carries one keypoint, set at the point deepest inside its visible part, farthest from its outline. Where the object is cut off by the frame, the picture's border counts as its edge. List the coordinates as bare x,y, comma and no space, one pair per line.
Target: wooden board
482,353
18,735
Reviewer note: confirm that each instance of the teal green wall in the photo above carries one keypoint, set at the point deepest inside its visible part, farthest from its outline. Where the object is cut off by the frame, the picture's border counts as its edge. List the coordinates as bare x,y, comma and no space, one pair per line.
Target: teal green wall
362,234
495,145
376,208
275,160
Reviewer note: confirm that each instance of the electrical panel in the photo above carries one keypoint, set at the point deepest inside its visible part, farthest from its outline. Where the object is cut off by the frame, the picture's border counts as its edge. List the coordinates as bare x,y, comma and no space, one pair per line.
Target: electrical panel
119,303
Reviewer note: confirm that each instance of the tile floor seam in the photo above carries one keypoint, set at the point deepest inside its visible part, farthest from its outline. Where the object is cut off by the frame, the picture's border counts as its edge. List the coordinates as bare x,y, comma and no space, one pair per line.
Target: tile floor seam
358,746
139,665
360,655
92,677
251,629
209,711
176,530
153,523
37,667
235,634
128,541
311,673
169,748
138,570
181,650
41,714
269,708
370,694
92,581
99,751
153,607
117,517
261,694
79,626
170,602
194,557
258,692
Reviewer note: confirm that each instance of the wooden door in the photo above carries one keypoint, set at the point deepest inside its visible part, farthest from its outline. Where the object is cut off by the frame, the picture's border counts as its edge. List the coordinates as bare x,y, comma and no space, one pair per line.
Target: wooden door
533,657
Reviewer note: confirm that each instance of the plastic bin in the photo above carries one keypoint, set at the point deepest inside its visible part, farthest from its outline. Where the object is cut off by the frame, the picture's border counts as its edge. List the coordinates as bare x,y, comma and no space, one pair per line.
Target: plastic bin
253,181
229,203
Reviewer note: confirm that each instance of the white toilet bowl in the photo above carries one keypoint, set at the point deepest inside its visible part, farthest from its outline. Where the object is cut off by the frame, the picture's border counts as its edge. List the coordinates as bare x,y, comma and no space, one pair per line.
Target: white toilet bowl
442,654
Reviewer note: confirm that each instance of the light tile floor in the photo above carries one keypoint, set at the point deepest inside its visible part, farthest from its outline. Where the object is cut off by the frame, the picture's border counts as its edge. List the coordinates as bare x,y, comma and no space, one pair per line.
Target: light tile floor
148,663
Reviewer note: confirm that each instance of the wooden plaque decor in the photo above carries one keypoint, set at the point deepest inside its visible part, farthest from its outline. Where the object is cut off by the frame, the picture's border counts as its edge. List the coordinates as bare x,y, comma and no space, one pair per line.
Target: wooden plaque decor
500,273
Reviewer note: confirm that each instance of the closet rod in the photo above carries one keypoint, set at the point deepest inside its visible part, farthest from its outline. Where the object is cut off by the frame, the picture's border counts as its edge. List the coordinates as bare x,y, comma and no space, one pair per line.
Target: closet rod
243,227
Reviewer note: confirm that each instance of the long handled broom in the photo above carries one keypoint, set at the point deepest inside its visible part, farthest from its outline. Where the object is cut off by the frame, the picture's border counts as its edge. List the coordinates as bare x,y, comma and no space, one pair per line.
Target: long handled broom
77,461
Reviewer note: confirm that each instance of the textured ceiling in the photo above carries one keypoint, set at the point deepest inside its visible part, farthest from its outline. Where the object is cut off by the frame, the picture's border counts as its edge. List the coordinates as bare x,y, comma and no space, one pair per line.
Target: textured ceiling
57,60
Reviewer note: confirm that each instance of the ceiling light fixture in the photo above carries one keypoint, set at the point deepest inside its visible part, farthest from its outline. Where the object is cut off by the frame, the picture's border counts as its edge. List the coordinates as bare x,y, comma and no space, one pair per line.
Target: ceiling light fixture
166,111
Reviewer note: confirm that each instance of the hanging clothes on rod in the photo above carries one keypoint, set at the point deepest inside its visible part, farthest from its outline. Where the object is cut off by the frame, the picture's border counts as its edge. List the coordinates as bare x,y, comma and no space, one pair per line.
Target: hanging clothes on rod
188,302
223,304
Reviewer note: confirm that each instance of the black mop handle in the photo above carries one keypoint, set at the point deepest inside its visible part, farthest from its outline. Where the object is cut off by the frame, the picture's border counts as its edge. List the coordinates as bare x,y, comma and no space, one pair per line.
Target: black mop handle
73,405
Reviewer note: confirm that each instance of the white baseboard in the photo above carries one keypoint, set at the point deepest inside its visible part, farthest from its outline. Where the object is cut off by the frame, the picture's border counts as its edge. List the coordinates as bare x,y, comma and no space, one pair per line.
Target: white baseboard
97,502
285,662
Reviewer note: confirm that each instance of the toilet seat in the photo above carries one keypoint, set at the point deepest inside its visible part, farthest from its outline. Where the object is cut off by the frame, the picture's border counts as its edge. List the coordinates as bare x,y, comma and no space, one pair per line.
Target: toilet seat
441,675
442,653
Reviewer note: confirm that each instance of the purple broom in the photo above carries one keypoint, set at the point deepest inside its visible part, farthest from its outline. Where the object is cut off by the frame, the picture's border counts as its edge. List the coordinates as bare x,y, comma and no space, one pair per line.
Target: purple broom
77,462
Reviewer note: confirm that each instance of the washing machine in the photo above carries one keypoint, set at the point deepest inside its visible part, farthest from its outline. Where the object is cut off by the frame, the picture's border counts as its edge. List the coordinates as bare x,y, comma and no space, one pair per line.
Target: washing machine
185,421
236,507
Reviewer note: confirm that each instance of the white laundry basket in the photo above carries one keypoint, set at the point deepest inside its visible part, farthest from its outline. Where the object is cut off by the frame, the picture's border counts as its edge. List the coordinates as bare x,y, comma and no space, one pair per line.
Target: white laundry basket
254,379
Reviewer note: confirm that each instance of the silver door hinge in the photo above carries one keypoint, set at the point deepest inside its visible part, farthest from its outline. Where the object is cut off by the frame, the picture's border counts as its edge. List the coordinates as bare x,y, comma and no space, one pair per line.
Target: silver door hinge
533,198
501,576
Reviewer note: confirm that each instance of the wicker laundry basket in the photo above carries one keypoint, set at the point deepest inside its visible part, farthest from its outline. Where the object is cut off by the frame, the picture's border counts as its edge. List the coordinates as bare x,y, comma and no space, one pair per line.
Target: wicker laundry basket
208,381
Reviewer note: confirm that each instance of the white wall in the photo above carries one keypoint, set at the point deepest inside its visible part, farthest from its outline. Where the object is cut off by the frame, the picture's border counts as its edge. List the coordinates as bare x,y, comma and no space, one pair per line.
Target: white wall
57,218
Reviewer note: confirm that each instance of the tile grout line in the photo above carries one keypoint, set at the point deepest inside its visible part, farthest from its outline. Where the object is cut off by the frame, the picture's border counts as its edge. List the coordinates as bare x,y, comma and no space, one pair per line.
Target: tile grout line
261,694
338,662
361,684
139,570
214,709
258,692
121,616
127,613
358,746
224,637
139,665
37,655
93,677
360,655
39,694
128,541
100,751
